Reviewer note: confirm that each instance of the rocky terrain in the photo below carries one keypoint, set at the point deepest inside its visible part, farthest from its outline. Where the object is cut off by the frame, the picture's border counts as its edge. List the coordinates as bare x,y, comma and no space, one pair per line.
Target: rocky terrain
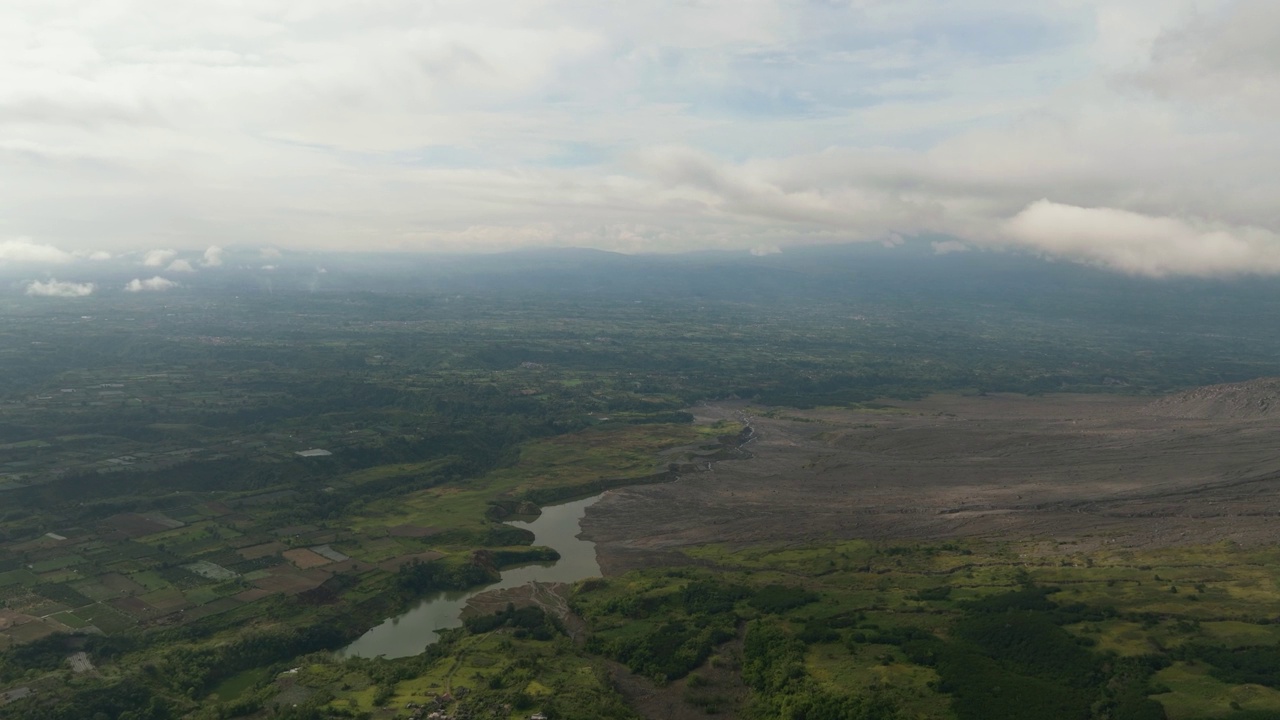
551,597
1197,467
1234,401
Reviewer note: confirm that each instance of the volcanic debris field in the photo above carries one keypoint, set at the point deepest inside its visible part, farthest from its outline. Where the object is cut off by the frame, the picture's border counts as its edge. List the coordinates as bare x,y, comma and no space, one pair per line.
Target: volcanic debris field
1089,471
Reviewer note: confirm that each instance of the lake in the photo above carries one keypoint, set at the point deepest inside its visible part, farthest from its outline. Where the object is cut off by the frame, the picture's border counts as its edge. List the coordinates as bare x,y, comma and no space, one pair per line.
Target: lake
411,632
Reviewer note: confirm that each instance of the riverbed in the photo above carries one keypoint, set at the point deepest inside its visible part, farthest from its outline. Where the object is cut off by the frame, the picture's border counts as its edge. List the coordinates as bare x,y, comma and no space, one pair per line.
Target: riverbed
411,632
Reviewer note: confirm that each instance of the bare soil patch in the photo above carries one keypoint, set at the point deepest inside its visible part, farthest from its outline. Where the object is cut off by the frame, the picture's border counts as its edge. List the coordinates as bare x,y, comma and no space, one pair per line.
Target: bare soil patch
135,608
305,558
167,600
291,583
10,619
1090,470
121,584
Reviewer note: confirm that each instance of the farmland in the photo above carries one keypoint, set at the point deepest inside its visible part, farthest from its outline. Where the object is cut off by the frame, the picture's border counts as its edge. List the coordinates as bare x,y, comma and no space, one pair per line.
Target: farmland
208,494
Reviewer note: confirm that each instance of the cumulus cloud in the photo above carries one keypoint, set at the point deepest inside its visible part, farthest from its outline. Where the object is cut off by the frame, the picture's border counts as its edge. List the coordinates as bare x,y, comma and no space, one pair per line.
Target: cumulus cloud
57,288
158,258
269,253
212,256
95,255
24,250
180,266
154,284
763,250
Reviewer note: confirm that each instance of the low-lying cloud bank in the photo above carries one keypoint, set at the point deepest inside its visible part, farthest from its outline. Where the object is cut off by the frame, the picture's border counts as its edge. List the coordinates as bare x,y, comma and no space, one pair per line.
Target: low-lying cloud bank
1144,245
57,288
25,251
154,284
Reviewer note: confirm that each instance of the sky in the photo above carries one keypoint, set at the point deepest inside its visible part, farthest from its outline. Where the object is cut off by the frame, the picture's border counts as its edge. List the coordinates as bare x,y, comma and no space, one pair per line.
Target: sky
1136,135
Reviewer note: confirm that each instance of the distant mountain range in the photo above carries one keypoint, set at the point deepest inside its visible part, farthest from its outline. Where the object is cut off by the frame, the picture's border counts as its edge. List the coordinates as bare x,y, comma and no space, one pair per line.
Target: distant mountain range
909,276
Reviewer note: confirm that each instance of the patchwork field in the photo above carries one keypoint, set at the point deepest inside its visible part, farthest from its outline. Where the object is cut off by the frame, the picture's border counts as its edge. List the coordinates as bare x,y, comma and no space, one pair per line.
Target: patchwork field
152,568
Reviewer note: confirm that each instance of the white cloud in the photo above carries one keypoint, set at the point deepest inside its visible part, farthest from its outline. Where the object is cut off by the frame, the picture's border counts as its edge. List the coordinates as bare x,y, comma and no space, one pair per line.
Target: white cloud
1228,56
658,126
270,253
1145,245
212,256
95,255
946,247
24,250
57,288
155,284
763,250
158,258
180,266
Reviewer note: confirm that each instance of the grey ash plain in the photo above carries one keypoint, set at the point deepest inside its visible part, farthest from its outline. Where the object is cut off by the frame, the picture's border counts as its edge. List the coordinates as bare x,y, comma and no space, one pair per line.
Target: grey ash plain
1074,471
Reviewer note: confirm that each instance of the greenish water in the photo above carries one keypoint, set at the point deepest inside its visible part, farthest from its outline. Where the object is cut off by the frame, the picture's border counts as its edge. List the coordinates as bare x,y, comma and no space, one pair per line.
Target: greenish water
411,632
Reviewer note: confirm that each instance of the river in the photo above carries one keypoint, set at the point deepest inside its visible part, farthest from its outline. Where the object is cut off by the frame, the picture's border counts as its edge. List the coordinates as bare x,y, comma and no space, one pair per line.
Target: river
409,633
